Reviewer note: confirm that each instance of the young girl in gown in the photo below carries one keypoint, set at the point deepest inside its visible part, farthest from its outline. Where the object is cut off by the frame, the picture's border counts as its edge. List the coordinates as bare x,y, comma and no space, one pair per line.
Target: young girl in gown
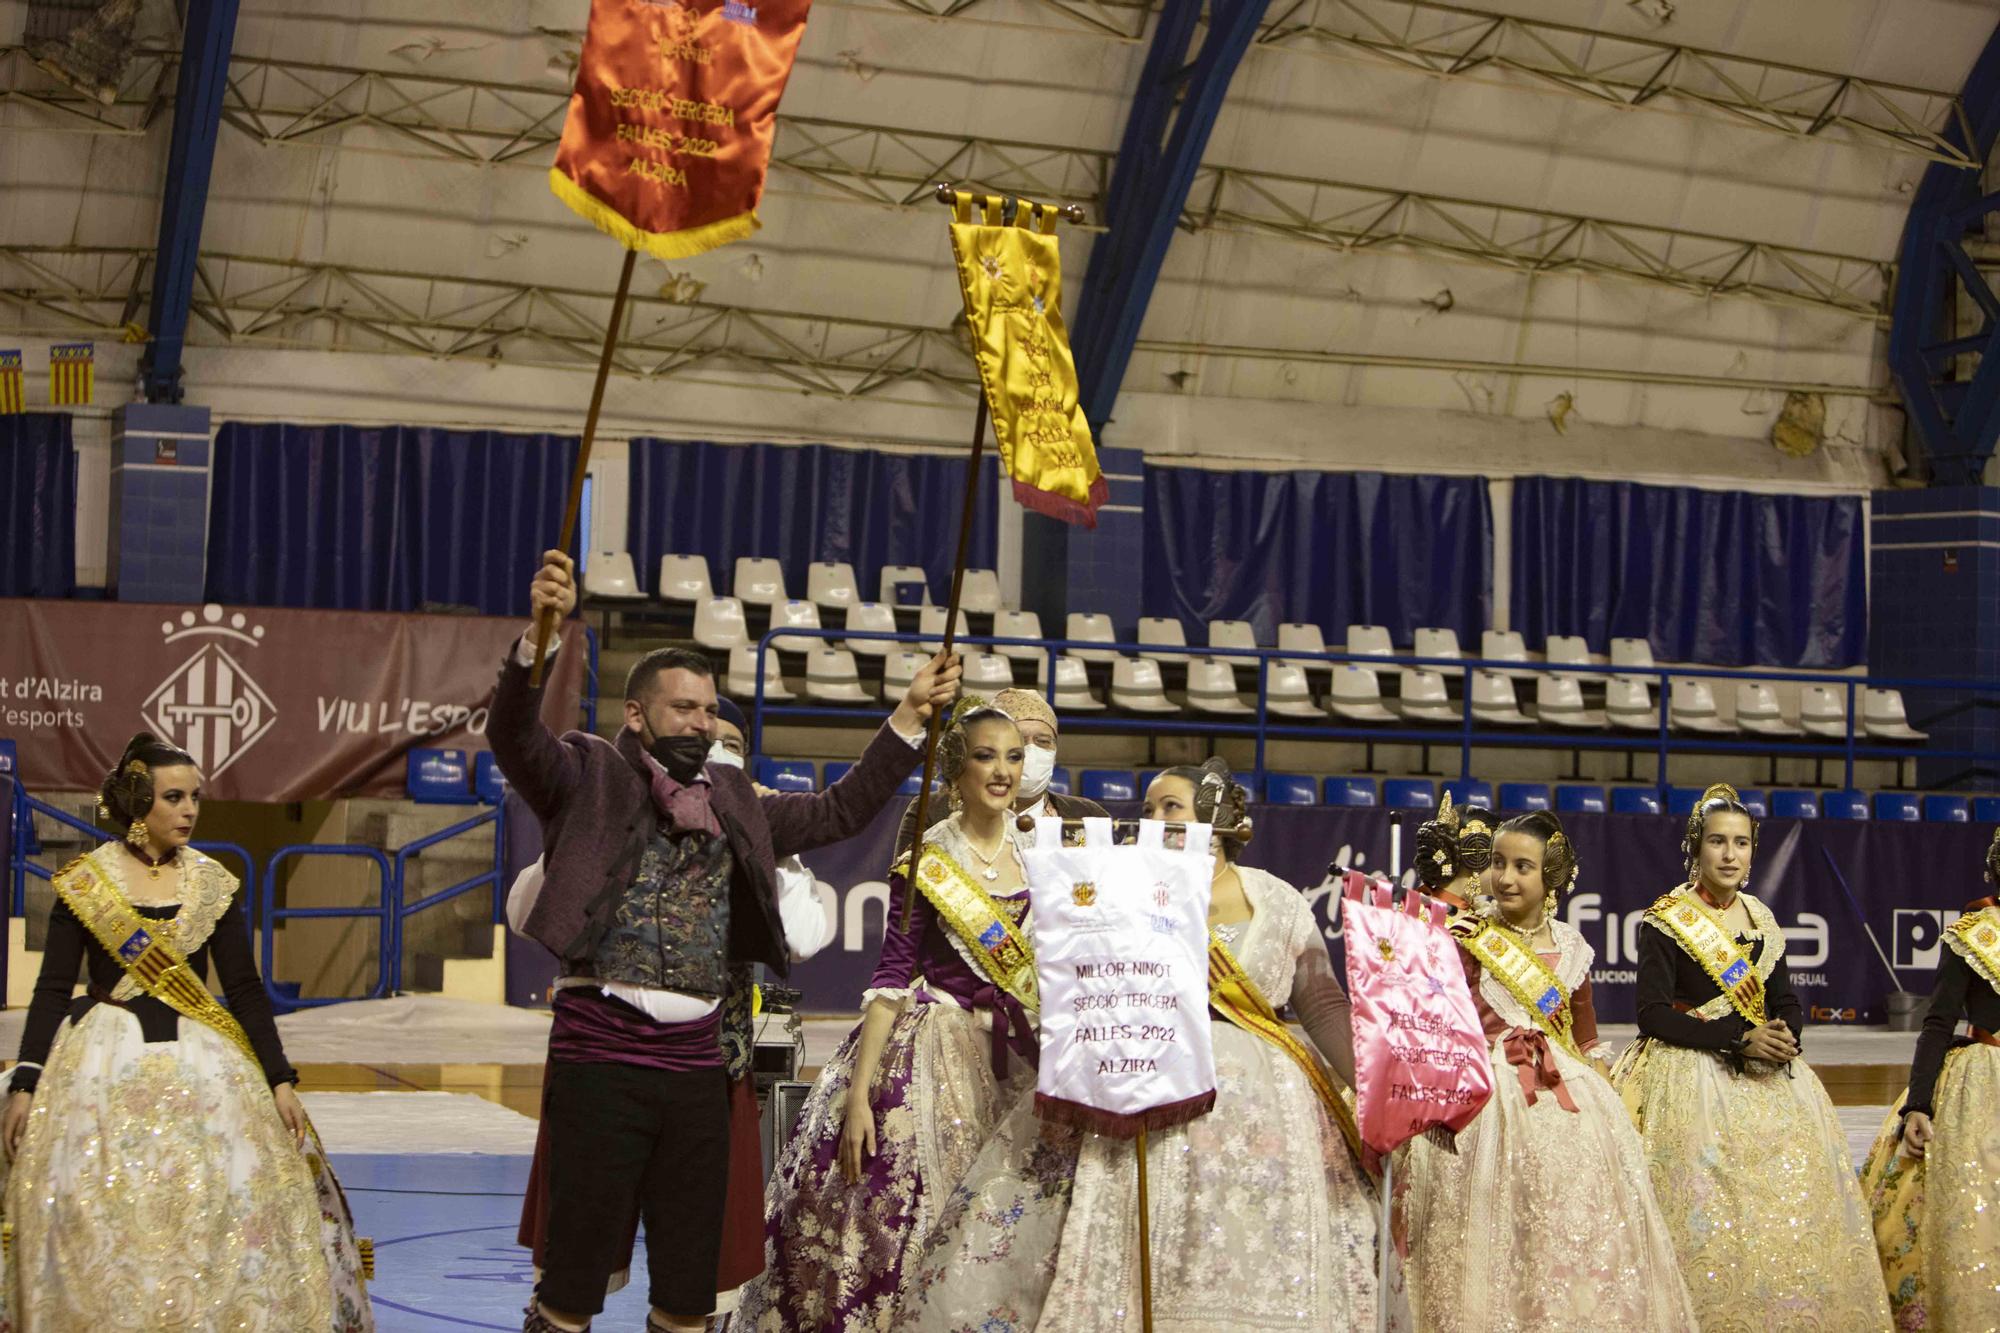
896,1115
1930,1179
1260,1217
1747,1157
162,1171
1543,1218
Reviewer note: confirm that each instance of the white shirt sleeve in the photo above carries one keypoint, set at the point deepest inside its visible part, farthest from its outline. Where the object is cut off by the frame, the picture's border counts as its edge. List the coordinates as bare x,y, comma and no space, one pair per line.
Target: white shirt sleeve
801,911
524,649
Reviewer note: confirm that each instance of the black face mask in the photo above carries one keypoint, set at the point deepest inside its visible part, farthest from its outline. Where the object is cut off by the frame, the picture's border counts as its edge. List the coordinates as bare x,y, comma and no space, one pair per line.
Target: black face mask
681,756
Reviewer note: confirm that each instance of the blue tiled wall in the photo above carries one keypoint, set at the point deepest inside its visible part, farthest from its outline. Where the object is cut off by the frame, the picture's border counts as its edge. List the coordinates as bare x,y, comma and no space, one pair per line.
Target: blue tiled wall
159,502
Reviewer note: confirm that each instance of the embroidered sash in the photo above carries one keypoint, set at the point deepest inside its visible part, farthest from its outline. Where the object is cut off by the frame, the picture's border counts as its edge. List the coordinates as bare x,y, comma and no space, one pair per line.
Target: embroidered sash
142,949
1975,937
1527,978
981,923
1234,996
1699,931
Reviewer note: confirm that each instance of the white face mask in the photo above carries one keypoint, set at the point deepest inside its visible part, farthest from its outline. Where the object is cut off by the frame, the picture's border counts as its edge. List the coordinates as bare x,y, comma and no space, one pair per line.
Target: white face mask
717,754
1038,765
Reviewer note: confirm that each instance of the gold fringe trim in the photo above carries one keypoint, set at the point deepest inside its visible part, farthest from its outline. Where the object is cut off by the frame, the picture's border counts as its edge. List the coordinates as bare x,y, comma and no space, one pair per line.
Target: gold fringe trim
658,244
365,1246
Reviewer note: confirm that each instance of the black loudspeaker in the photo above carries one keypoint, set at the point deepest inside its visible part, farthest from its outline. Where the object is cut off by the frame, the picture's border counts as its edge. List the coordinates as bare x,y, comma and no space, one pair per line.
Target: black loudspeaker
779,1114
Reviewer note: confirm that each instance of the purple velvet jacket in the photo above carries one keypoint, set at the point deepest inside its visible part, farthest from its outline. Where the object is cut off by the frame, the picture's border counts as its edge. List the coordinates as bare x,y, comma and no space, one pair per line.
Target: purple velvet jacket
594,798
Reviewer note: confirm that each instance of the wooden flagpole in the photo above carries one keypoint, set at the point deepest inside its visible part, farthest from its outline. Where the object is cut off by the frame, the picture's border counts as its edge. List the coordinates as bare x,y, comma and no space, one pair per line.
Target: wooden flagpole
947,196
545,624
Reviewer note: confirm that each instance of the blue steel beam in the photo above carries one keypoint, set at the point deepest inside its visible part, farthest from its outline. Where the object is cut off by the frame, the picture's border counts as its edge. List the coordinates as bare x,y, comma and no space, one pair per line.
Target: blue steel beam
1173,113
209,34
1954,419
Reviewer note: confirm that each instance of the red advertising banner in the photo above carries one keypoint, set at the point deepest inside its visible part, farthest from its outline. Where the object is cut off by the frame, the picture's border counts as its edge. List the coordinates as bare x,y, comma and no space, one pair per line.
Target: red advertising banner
274,704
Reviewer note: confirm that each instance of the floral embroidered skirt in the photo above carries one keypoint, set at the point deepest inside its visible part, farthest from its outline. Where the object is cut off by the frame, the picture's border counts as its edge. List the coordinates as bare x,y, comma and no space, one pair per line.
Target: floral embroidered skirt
836,1255
1259,1220
1937,1227
1544,1217
1753,1173
156,1188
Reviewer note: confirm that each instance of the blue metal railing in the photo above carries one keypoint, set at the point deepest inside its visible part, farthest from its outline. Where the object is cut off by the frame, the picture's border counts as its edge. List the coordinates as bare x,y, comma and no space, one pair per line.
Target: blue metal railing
496,816
383,911
22,867
1469,731
260,889
590,685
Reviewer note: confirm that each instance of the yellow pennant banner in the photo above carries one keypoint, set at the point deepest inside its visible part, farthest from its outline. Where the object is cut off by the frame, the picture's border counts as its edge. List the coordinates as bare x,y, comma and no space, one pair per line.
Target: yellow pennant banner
1011,277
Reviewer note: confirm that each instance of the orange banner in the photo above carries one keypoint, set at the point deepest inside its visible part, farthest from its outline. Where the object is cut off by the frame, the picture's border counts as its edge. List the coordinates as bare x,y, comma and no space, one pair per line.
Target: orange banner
670,126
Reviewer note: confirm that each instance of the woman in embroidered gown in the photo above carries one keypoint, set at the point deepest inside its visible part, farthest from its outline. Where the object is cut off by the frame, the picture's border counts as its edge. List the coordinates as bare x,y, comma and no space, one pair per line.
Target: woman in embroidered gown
1260,1217
162,1172
897,1114
1930,1178
1543,1218
1747,1157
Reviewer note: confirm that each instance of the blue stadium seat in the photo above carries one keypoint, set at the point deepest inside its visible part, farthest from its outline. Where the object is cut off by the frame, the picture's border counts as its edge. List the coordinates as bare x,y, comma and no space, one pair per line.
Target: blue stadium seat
1104,784
1290,789
1061,783
1636,801
1580,800
10,758
439,777
1146,776
1524,796
787,774
1947,810
1409,794
1898,806
912,784
1794,805
1682,800
834,772
1849,804
1349,791
1470,791
1986,809
1756,802
487,783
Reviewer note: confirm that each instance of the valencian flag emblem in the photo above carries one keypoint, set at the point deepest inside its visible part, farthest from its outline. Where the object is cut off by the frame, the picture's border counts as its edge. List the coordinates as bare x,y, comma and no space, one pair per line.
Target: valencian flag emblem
11,401
70,374
670,125
1011,277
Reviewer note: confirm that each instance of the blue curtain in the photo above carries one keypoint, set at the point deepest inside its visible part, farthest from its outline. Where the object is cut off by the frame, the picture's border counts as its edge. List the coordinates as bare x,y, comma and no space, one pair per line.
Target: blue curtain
801,503
1718,577
382,519
37,505
1325,548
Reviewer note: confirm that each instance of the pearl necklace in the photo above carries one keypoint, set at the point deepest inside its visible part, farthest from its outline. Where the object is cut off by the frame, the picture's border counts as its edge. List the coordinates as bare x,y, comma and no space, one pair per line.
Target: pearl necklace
991,872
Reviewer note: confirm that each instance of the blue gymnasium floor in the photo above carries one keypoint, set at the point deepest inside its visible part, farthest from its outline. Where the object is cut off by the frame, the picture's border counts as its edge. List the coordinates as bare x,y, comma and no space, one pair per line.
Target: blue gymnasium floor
445,1257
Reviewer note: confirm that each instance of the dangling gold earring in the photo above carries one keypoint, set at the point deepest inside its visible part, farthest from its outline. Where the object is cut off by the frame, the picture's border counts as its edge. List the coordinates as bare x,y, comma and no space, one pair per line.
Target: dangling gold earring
1549,905
136,835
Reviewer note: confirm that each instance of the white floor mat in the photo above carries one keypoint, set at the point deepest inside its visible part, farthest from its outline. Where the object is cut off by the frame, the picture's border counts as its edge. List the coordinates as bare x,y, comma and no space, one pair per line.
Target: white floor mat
416,1030
418,1122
